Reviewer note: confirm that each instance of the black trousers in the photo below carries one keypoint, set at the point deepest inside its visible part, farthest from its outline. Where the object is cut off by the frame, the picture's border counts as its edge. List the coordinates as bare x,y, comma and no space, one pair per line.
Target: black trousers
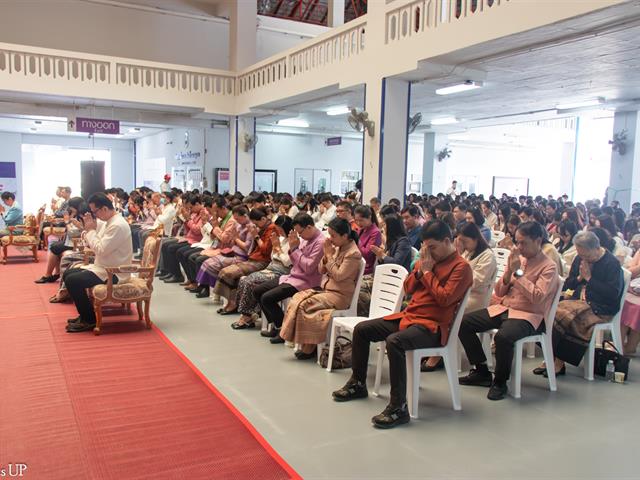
135,236
398,342
170,256
510,330
77,280
183,258
193,265
269,294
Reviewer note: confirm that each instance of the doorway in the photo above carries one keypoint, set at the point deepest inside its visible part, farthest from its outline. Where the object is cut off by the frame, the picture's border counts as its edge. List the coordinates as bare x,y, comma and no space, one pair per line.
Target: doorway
91,178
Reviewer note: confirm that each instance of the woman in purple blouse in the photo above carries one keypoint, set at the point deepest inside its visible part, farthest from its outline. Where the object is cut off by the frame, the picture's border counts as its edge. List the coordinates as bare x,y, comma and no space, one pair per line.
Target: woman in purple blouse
369,234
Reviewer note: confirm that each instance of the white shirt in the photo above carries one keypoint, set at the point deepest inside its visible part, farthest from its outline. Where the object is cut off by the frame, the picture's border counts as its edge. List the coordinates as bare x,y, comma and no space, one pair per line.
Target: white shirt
207,239
322,219
164,187
166,218
111,242
452,191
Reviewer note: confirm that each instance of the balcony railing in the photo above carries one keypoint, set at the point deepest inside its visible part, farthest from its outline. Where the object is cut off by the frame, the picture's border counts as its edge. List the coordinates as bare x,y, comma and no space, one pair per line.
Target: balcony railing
418,16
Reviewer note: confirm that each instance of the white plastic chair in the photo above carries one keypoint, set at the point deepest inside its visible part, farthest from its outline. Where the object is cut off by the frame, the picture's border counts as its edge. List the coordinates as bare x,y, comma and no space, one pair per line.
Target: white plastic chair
547,349
613,326
449,353
496,237
502,259
386,298
349,312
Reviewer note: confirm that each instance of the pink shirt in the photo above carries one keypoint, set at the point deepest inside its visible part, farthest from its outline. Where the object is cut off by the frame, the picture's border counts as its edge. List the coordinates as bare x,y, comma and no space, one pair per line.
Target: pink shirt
305,259
530,296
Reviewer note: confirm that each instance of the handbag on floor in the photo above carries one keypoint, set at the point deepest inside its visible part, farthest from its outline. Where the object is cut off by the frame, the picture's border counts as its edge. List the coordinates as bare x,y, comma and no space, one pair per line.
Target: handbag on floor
603,355
341,354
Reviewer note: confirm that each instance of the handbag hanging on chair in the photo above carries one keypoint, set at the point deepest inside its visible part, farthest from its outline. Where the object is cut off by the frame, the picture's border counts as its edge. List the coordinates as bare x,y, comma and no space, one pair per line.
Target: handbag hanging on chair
602,357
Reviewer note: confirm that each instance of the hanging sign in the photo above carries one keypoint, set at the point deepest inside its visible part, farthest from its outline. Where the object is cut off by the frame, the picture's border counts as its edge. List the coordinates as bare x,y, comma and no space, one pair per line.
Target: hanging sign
93,125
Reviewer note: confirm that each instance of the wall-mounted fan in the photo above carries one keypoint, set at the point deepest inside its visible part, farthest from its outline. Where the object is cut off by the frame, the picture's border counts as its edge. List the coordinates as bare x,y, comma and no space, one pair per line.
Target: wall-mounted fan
414,122
249,141
360,121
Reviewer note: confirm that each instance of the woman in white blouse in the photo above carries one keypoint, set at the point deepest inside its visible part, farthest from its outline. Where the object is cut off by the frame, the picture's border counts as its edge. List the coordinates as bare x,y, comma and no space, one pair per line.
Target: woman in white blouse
473,247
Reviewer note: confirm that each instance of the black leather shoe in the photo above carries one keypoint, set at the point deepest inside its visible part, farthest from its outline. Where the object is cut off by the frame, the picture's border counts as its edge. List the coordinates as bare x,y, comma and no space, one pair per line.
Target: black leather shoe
351,391
497,391
204,293
276,340
391,417
562,371
80,327
478,378
274,332
426,368
300,355
47,279
539,370
73,320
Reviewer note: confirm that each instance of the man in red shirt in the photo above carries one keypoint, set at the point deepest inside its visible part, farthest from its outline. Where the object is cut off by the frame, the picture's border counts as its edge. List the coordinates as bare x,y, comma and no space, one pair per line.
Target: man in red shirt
437,285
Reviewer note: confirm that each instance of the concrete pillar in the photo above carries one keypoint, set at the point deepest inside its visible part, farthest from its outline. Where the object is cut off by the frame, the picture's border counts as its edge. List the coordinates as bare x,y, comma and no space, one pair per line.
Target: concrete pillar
242,156
624,181
567,169
335,13
243,21
434,172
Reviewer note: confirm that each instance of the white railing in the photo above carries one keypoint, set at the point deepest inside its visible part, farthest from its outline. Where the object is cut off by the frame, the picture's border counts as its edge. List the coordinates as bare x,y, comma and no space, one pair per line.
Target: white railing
418,16
328,49
30,64
110,71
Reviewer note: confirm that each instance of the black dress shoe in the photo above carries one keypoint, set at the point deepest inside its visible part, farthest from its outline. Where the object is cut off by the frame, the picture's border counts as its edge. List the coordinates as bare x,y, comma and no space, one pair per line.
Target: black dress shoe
165,276
477,377
276,340
73,320
391,417
426,368
351,391
242,326
300,355
274,332
47,279
562,371
497,391
80,327
174,280
539,370
204,293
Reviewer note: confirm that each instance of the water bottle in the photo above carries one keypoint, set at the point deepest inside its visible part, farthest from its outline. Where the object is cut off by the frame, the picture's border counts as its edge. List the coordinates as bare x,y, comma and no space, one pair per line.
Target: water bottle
610,372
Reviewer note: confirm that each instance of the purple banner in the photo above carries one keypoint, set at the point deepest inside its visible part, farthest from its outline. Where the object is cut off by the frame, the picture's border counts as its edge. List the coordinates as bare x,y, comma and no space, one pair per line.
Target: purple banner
332,141
7,170
97,125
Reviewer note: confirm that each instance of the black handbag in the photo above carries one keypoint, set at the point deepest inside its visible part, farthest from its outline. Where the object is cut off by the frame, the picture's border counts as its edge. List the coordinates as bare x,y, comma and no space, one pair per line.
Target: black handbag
602,357
341,354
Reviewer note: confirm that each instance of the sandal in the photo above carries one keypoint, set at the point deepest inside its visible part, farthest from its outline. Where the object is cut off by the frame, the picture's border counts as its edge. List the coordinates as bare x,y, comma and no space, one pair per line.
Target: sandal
55,299
242,326
222,311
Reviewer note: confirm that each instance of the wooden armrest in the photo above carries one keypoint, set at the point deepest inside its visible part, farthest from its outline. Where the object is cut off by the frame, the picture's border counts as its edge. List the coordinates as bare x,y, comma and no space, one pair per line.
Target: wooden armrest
128,269
17,227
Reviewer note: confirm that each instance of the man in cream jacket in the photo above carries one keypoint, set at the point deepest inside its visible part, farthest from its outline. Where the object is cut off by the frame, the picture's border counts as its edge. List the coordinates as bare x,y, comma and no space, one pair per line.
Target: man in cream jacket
111,242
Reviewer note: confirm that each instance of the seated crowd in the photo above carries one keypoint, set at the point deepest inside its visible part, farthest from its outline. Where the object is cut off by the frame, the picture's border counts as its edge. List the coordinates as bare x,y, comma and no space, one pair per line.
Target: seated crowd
293,261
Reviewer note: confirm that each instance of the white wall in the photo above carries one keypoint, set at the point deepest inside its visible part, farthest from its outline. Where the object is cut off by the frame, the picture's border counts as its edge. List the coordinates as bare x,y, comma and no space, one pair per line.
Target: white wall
132,33
121,154
170,145
285,153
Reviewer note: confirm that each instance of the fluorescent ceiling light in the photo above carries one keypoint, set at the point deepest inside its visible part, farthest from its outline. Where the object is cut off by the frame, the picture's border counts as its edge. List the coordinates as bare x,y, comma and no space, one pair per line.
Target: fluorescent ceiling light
460,87
444,121
293,122
338,110
586,103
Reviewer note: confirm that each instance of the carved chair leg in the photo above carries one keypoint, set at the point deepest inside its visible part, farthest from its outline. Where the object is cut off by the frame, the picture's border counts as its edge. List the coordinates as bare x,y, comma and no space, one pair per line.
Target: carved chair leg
147,319
4,253
34,249
97,308
140,311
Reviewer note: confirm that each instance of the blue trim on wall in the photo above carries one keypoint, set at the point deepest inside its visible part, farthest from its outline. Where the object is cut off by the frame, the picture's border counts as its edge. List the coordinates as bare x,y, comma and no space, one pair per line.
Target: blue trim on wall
381,152
135,165
235,175
254,155
406,147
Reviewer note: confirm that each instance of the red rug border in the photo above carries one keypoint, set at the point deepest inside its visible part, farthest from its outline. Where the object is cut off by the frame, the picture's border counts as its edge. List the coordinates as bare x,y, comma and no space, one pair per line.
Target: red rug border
261,440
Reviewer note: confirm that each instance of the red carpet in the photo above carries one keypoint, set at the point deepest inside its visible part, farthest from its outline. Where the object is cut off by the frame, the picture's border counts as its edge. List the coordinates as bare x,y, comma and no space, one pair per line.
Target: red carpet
124,405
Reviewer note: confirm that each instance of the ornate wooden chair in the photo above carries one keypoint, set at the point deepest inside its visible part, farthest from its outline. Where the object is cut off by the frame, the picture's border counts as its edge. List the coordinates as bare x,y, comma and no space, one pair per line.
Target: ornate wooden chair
24,236
136,289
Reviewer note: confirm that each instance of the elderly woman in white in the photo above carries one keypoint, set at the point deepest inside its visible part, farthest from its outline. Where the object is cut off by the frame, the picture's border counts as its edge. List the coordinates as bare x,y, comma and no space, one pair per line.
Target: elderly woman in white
473,247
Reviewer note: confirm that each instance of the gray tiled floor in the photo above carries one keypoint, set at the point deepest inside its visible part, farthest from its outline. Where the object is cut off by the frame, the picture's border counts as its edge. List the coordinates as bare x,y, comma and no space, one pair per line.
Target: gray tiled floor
584,430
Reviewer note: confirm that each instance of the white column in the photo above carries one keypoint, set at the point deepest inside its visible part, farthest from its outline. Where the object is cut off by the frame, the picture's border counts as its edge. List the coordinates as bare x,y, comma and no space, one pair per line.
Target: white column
335,13
242,158
624,182
243,20
393,139
434,172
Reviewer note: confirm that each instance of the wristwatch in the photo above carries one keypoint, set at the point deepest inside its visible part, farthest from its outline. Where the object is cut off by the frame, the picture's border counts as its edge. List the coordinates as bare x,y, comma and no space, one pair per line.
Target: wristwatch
518,273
